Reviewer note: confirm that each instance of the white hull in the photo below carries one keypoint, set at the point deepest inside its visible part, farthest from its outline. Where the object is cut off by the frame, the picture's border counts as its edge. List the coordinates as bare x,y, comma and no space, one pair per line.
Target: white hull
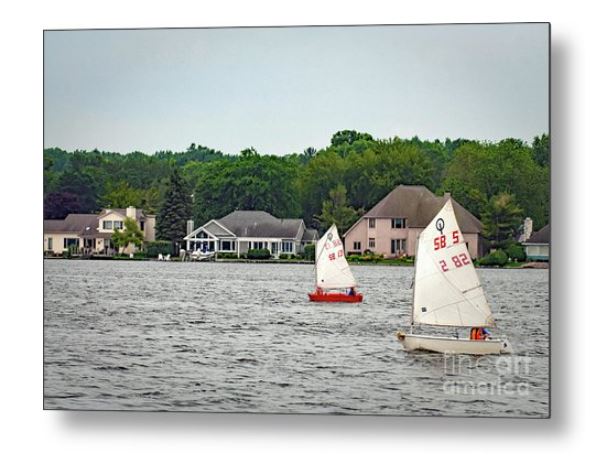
200,256
451,345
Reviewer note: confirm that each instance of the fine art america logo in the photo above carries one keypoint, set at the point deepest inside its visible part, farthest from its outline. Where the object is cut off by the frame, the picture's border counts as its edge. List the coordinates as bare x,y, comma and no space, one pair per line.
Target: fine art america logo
484,376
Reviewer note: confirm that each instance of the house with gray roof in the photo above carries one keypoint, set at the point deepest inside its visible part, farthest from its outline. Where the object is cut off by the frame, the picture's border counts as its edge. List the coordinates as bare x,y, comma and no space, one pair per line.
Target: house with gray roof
91,233
241,231
537,247
392,226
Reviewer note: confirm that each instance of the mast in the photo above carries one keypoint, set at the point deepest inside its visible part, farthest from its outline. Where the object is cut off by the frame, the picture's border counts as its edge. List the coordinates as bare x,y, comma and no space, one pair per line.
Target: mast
414,270
316,266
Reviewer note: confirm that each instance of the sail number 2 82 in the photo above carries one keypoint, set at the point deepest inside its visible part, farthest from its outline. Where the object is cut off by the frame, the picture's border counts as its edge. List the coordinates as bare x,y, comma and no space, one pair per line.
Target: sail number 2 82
440,241
458,261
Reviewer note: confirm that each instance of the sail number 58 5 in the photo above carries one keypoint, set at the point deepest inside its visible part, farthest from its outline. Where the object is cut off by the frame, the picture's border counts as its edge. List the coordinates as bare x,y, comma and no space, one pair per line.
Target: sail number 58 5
440,241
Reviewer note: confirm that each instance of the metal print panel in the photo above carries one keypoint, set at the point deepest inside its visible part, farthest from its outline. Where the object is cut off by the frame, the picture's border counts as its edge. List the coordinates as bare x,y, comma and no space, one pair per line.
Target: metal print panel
323,220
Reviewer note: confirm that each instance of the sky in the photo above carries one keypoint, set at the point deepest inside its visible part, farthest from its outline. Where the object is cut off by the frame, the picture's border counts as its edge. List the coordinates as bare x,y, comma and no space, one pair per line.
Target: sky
281,90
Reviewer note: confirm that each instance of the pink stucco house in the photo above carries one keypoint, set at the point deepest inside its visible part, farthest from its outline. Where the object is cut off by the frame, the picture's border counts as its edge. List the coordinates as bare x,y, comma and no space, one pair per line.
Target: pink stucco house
392,226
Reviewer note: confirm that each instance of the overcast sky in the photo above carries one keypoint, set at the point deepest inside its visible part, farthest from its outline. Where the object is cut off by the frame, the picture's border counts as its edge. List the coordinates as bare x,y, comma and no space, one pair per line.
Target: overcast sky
281,90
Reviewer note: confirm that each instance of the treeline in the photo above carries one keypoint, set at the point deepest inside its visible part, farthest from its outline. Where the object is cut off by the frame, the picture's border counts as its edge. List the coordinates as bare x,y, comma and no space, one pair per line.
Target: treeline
499,182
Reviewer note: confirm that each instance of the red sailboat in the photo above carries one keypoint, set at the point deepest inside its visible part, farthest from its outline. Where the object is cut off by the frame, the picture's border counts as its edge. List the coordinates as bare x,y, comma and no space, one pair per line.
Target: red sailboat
333,272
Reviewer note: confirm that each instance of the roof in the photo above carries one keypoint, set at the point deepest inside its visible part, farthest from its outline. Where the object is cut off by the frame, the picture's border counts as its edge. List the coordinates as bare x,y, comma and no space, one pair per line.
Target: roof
260,224
310,235
73,223
540,237
419,205
140,214
217,230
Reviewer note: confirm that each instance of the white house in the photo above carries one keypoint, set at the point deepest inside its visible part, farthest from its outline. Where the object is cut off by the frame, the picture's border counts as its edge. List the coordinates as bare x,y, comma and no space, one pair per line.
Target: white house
241,231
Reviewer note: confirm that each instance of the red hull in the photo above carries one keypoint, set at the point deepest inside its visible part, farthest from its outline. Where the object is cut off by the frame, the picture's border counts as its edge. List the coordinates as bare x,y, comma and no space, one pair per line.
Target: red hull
335,297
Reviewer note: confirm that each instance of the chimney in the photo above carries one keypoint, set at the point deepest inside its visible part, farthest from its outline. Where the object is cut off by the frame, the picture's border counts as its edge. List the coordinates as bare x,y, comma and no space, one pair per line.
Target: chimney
527,230
189,226
131,212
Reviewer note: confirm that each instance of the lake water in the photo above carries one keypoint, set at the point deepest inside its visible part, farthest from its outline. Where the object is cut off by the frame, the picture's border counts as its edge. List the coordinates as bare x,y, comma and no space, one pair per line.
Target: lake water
244,338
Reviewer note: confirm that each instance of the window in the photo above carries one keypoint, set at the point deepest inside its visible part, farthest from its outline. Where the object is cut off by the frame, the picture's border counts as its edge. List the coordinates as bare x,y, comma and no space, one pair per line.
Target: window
357,245
142,225
68,241
372,243
398,223
50,243
372,223
118,224
228,245
287,246
259,245
107,225
398,246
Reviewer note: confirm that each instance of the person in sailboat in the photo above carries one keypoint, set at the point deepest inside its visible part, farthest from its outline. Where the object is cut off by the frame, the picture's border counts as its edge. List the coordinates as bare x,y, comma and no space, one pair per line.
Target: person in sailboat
351,292
479,333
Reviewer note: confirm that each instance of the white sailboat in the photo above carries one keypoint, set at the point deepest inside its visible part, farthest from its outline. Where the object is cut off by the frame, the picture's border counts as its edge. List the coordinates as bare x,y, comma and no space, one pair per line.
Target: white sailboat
447,291
332,271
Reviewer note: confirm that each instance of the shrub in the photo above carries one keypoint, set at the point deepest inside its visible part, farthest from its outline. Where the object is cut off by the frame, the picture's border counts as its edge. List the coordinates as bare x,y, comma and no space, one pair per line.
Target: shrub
283,257
153,249
259,254
227,255
370,256
516,252
496,258
309,252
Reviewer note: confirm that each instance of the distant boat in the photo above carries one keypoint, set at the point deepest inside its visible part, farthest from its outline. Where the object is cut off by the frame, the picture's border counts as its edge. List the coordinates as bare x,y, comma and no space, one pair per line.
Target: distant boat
447,292
202,256
333,272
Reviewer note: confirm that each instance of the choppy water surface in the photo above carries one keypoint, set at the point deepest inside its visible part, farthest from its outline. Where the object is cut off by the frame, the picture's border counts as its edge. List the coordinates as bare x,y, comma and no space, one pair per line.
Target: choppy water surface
243,337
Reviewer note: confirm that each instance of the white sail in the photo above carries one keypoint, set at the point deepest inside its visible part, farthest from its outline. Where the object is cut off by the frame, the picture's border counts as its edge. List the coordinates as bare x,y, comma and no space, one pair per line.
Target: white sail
332,269
447,290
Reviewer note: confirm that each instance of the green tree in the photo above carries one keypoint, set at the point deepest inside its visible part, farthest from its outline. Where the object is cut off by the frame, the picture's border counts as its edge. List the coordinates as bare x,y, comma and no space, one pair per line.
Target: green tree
336,211
320,175
58,205
501,218
81,183
249,182
541,149
131,234
121,195
479,171
175,211
349,137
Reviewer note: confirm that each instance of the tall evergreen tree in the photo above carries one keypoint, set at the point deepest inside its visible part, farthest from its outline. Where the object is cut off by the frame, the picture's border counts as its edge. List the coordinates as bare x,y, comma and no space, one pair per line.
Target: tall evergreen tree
501,218
336,211
175,211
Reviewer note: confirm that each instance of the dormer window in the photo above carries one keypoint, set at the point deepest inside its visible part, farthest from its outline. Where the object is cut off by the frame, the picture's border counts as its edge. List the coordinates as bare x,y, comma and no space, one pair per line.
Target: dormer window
107,225
118,224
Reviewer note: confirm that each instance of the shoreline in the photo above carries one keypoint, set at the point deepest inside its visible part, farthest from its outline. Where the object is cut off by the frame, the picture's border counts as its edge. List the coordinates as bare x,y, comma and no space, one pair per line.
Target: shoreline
388,262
